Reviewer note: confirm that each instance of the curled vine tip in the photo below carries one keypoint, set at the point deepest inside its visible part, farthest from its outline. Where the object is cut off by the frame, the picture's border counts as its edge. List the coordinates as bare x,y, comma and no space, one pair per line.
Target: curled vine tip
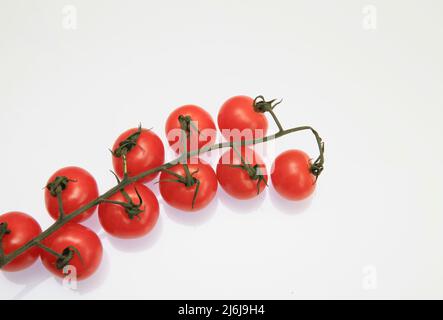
262,106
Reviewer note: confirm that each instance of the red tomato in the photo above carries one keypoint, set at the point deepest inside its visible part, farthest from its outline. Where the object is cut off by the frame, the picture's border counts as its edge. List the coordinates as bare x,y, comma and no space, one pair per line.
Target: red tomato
80,243
116,220
80,189
237,120
179,196
292,176
22,229
237,181
146,153
201,135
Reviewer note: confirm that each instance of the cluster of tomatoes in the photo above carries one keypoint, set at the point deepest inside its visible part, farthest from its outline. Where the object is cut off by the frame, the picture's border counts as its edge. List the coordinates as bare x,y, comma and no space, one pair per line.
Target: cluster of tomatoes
133,211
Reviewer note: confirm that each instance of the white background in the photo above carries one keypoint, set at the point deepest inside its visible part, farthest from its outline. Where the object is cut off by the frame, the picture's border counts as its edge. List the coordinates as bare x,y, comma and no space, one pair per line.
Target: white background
374,95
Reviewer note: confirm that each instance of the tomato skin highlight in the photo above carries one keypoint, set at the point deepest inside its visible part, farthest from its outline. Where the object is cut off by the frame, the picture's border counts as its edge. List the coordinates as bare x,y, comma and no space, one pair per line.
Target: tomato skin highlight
84,240
179,196
149,153
206,127
291,175
116,221
23,229
236,181
238,113
78,193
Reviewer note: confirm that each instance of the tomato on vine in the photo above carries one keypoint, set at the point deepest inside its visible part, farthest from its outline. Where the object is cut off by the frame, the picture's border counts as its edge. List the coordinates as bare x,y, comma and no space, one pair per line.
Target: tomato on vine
131,213
72,245
142,149
196,123
76,187
17,229
238,119
292,175
189,187
242,173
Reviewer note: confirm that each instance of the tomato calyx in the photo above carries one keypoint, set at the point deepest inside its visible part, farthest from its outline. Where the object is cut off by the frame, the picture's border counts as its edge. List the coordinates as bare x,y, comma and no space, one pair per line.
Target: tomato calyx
188,180
186,124
4,229
58,185
262,106
132,209
254,173
128,144
66,256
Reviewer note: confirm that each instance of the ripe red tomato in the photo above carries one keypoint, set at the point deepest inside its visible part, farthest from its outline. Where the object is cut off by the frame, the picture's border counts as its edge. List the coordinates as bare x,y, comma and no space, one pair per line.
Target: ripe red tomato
238,120
292,176
237,181
179,196
77,242
201,135
78,189
147,152
122,224
22,229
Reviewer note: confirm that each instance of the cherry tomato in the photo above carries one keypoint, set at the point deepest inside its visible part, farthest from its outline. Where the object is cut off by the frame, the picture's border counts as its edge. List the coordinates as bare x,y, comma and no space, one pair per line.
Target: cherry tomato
21,228
291,175
78,246
180,196
197,123
237,181
135,223
78,189
237,120
144,150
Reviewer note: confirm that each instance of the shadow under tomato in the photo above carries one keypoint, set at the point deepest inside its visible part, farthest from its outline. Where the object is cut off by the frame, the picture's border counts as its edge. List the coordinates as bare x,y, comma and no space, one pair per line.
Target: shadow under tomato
288,206
242,206
191,218
31,278
140,244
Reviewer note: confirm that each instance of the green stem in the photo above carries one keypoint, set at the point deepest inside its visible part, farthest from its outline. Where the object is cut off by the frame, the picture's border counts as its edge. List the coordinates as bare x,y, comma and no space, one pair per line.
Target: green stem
5,259
245,165
47,249
60,206
277,122
188,176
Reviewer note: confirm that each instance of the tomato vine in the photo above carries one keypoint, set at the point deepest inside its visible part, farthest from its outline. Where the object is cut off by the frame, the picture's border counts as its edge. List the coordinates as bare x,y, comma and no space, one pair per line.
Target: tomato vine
133,209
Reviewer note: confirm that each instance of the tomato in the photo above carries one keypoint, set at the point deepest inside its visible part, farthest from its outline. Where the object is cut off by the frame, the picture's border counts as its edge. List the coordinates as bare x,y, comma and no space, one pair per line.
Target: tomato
144,151
180,196
78,188
80,247
291,175
196,122
237,120
130,224
21,228
237,181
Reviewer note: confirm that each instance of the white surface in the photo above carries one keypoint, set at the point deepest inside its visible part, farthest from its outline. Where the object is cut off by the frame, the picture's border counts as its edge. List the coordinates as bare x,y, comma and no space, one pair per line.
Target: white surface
374,95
